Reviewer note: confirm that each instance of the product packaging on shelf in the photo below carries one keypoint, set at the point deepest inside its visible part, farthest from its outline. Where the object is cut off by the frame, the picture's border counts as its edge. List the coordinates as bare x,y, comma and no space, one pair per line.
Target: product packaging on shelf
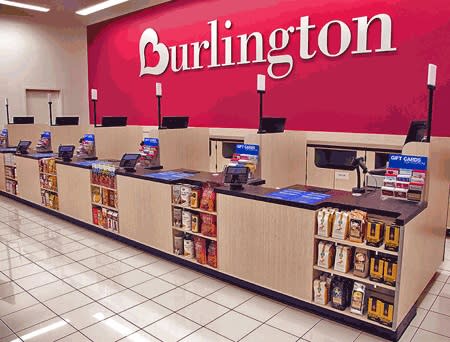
178,243
185,195
361,263
358,302
176,193
195,223
341,290
186,220
321,291
373,309
376,269
358,222
212,254
208,199
341,225
188,247
208,225
343,258
200,249
325,221
196,194
386,313
325,255
375,233
177,214
392,237
390,271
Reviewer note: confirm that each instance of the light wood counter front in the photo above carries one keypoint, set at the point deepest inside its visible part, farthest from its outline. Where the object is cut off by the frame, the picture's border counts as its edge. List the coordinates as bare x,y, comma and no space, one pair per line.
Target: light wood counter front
74,192
145,212
28,179
267,244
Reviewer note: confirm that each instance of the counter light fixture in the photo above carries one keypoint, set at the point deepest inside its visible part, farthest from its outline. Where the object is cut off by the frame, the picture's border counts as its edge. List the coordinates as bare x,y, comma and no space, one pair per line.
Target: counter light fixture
100,6
22,5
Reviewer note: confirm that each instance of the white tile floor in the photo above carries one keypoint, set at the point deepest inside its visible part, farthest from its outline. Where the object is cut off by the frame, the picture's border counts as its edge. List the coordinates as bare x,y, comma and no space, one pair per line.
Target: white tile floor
63,282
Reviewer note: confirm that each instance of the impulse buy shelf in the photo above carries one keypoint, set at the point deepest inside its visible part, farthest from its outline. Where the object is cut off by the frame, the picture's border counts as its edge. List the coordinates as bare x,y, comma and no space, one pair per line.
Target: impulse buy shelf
10,173
48,181
104,198
194,223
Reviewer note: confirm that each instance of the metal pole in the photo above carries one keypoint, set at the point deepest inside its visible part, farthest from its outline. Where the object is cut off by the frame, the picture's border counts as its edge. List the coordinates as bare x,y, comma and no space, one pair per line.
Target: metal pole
159,111
50,111
430,111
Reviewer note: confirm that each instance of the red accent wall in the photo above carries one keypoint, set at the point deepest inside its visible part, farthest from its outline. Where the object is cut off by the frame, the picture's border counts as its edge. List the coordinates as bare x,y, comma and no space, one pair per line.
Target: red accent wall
373,93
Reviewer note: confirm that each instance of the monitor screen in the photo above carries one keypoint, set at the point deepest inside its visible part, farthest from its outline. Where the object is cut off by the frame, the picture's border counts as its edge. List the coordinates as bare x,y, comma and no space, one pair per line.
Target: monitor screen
21,120
114,121
66,151
236,175
174,122
417,131
67,121
129,160
23,146
272,125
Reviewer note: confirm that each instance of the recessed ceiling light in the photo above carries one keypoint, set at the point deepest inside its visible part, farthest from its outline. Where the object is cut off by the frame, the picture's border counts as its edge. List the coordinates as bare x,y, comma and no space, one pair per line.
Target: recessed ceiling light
99,7
26,6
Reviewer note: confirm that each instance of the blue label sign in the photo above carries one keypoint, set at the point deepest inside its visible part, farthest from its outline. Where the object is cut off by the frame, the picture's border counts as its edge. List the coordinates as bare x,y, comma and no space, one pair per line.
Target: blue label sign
46,135
169,175
89,137
247,149
399,161
152,142
298,196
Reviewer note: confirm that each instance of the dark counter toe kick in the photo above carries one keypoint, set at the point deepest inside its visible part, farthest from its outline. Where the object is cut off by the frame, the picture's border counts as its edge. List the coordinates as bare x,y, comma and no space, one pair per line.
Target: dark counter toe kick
332,315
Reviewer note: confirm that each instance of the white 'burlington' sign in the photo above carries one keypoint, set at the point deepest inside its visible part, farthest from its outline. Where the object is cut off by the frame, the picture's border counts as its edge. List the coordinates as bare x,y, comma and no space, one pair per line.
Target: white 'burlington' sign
278,41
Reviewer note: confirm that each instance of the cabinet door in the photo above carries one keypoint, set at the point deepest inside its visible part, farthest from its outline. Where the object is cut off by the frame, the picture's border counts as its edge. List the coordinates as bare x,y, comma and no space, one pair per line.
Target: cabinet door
318,176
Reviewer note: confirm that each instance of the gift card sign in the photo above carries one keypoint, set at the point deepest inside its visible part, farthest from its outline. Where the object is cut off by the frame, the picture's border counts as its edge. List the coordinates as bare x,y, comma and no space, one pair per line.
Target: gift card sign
169,175
151,142
399,161
45,142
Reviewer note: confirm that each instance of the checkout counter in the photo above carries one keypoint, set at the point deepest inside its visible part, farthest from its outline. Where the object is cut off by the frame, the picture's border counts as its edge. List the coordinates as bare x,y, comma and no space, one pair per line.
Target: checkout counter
265,244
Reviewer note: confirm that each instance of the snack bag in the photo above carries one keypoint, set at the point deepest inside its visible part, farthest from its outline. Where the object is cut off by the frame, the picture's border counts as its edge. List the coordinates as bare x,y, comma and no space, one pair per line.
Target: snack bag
212,254
208,225
208,201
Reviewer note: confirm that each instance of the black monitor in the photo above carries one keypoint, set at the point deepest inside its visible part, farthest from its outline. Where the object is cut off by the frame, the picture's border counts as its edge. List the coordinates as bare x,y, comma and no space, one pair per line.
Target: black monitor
129,161
236,176
272,125
22,120
114,121
67,120
417,131
65,152
22,146
174,122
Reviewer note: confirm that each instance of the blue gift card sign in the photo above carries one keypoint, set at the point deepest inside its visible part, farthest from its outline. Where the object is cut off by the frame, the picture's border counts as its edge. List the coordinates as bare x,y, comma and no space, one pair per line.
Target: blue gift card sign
298,196
4,132
169,175
89,137
247,149
399,161
46,135
151,142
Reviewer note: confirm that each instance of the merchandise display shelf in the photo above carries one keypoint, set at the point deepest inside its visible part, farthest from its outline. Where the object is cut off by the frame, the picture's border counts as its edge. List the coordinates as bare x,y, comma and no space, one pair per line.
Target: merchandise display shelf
105,206
356,244
194,209
196,234
347,312
349,275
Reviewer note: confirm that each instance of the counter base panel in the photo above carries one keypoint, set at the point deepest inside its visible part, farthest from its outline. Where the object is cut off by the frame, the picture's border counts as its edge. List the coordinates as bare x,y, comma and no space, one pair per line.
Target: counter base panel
303,305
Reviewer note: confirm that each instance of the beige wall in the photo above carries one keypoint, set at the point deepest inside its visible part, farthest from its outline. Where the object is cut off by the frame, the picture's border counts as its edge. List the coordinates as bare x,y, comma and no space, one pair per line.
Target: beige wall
39,53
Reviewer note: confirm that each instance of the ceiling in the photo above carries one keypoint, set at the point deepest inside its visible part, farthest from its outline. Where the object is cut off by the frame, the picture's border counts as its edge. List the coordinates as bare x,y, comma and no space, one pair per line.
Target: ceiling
63,11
